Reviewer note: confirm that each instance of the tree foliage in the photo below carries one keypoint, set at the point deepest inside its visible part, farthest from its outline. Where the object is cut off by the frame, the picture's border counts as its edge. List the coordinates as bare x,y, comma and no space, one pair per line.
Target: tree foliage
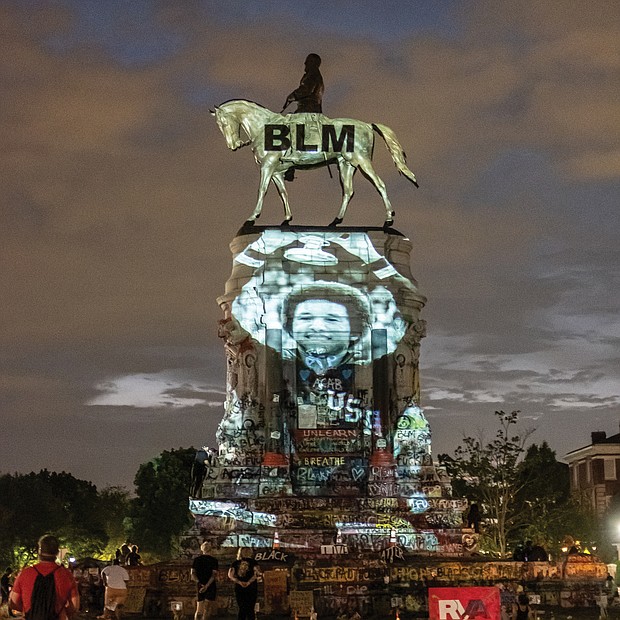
547,512
488,473
92,523
159,513
114,505
524,495
35,503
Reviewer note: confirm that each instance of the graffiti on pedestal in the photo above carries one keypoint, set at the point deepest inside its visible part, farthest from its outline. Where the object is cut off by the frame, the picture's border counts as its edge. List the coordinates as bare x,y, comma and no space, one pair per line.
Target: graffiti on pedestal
317,325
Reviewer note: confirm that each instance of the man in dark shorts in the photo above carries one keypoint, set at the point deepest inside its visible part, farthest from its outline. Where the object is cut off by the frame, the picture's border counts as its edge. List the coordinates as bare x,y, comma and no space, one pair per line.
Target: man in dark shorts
204,573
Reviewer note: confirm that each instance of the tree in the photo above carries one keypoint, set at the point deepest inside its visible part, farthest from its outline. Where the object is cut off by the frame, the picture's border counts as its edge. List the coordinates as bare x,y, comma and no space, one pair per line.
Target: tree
545,511
82,523
35,503
28,509
489,474
114,507
159,512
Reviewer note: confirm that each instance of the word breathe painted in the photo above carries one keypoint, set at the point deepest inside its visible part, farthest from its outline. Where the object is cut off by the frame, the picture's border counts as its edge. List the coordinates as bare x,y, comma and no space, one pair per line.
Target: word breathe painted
323,461
277,138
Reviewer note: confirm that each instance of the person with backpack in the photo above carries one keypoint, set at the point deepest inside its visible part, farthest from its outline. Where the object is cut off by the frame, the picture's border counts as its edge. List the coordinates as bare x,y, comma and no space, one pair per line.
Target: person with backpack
47,590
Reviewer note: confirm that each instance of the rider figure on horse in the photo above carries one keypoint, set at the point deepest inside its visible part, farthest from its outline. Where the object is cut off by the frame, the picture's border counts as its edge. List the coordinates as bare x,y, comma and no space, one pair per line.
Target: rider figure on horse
309,95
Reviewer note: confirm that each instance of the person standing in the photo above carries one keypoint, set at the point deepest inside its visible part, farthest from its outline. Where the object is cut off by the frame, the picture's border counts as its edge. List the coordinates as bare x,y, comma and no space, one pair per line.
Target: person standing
133,558
204,573
67,599
5,587
474,517
522,609
124,551
602,602
244,574
115,579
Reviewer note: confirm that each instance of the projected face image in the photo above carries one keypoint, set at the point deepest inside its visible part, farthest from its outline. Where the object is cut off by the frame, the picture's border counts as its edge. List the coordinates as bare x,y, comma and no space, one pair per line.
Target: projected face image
282,269
325,320
321,328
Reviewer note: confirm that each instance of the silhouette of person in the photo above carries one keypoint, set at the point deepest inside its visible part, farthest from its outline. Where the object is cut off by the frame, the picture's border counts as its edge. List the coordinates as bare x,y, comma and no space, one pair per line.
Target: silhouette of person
474,517
199,469
134,558
308,95
5,586
244,573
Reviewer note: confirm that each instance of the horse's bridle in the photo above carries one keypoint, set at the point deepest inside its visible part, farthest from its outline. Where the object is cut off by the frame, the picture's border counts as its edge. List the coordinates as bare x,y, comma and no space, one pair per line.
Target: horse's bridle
225,124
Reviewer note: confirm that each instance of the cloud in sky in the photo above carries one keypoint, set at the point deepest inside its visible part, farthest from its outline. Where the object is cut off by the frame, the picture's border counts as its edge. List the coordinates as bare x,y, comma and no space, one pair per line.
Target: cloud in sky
163,389
119,199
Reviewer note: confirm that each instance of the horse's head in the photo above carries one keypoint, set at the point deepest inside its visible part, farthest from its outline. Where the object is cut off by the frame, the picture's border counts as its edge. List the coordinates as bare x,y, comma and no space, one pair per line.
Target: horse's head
230,126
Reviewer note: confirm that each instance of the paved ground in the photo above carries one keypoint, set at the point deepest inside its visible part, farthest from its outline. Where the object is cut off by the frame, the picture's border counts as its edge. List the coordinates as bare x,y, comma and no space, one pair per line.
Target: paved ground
543,613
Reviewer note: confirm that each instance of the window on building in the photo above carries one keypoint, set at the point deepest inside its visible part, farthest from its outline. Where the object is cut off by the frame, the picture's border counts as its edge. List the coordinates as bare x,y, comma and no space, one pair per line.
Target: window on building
598,470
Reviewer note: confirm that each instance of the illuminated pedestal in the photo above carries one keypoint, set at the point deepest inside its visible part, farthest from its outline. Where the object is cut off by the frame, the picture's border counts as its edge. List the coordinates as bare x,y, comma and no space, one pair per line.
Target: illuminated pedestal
323,440
322,421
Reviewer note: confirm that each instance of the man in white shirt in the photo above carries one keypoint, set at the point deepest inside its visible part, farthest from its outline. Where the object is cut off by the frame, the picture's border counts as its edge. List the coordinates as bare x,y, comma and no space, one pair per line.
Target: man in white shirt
115,579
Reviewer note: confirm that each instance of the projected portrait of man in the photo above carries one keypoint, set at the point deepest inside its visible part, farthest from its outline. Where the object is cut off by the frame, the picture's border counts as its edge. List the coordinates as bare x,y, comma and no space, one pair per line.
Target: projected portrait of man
326,320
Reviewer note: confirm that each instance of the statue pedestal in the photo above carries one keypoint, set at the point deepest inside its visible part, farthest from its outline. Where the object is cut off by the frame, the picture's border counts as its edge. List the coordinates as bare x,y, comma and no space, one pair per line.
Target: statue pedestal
322,426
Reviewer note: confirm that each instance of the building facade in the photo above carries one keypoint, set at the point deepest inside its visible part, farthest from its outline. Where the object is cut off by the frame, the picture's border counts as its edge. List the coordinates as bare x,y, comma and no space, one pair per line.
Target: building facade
595,470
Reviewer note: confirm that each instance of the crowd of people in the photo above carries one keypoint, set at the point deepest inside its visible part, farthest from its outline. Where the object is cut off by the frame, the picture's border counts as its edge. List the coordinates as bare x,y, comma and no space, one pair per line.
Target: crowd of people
27,594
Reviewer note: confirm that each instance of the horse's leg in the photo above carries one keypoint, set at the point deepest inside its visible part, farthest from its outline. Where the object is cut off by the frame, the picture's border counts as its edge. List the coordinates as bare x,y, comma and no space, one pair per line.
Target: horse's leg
278,180
267,166
366,167
347,171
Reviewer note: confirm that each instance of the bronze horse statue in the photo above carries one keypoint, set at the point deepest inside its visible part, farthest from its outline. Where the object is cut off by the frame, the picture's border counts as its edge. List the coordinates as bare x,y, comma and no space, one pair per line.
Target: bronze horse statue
346,141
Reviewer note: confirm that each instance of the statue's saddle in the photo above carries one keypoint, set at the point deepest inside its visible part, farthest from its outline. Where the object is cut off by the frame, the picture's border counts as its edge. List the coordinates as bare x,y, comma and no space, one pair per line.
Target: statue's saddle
313,129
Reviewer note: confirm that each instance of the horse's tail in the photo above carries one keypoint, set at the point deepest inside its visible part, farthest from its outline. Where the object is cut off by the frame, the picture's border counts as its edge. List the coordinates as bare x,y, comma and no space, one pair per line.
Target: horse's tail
396,151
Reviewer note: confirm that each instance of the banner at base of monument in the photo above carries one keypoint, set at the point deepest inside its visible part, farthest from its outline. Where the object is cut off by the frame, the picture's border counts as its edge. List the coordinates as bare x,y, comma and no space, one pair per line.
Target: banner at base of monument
464,603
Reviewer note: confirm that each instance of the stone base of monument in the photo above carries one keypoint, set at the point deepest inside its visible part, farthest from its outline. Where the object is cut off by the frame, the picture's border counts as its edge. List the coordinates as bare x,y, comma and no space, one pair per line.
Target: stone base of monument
312,568
374,553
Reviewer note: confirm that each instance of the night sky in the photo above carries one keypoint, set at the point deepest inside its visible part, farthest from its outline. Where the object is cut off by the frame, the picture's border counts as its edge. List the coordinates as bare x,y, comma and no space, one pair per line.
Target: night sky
119,199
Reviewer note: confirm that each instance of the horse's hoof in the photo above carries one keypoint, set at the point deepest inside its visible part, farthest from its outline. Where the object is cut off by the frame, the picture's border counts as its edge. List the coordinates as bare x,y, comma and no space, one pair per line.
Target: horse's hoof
285,224
336,221
387,224
248,223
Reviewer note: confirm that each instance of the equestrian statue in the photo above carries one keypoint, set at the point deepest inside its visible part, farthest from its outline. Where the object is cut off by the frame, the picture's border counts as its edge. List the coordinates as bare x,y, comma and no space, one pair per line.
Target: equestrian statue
307,139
